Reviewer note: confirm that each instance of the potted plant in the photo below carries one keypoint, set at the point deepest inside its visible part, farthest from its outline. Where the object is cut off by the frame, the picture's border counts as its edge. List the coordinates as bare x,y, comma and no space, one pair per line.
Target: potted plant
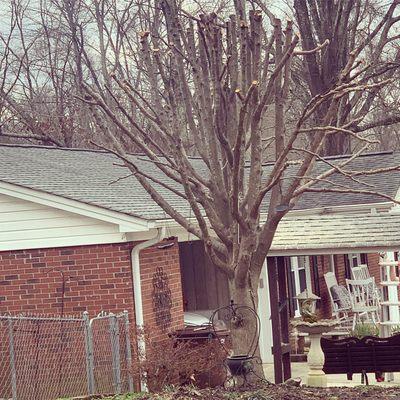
364,329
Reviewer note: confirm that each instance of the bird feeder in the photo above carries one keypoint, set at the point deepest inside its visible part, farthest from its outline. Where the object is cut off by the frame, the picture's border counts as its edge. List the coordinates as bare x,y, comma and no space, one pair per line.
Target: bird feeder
307,303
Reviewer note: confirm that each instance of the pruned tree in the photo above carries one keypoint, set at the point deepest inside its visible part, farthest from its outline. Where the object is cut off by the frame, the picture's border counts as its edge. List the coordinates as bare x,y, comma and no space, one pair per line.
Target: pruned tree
214,80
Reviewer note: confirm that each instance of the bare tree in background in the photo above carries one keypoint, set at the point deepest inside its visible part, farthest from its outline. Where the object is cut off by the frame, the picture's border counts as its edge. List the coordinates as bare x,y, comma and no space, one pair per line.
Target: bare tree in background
365,30
48,50
51,46
215,79
36,86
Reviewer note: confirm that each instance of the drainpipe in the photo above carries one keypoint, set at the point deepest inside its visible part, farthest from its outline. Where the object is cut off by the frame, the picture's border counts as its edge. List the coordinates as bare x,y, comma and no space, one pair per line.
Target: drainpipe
137,294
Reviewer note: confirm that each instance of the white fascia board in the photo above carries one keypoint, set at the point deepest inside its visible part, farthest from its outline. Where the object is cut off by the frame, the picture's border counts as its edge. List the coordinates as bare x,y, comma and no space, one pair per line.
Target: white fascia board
326,251
63,242
126,222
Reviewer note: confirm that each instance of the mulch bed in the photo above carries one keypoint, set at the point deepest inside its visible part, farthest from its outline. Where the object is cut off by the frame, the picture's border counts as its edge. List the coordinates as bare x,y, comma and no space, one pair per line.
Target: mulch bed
271,392
283,392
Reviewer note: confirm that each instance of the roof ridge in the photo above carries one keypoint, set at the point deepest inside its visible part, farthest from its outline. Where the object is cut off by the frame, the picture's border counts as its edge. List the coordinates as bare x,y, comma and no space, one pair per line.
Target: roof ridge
267,163
38,146
374,153
342,156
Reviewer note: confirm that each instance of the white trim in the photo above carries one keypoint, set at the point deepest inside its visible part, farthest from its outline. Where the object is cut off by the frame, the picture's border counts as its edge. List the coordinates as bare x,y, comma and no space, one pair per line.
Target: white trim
294,267
307,266
326,251
264,310
64,241
393,292
127,222
353,255
332,263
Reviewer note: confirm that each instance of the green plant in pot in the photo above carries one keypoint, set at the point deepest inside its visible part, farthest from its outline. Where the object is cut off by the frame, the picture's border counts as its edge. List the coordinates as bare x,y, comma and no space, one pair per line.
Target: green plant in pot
364,329
395,330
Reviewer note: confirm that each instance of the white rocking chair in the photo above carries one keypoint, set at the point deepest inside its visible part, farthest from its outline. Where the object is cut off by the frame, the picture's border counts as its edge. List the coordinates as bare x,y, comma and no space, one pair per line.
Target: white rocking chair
341,305
364,300
360,272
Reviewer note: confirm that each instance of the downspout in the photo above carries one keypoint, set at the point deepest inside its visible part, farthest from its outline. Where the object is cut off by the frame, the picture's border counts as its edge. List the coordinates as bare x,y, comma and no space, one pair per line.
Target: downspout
137,295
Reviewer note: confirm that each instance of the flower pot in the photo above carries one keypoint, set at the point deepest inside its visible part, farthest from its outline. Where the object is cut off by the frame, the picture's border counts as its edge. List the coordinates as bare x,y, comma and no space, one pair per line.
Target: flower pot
240,364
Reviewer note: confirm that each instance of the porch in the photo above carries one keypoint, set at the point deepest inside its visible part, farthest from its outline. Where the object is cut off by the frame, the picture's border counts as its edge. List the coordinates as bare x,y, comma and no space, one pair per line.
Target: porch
300,370
304,249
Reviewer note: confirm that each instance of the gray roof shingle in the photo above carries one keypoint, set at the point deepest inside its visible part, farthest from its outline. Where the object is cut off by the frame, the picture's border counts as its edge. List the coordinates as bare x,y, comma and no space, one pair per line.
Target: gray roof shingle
316,234
96,177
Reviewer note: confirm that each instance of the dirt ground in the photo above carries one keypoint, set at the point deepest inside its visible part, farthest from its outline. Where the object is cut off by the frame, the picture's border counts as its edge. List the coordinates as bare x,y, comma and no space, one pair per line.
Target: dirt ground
283,392
270,392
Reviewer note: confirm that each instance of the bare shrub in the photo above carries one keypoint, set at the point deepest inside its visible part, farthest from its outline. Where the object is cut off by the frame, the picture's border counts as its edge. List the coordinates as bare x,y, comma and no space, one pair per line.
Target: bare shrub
172,362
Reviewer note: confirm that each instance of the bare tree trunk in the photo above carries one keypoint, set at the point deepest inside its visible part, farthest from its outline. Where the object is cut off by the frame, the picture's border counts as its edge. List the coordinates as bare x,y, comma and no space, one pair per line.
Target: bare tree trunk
245,330
337,144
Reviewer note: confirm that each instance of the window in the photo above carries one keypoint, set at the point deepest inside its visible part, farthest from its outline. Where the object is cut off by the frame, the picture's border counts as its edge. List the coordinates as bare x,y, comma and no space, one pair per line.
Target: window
299,280
301,270
353,260
314,265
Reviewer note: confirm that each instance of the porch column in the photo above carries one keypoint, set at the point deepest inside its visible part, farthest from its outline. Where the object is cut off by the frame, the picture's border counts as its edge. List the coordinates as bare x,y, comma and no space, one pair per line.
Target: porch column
390,312
294,267
284,317
393,290
279,318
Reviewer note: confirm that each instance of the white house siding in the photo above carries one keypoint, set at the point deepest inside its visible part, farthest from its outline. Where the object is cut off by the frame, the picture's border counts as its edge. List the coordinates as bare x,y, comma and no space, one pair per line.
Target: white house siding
27,225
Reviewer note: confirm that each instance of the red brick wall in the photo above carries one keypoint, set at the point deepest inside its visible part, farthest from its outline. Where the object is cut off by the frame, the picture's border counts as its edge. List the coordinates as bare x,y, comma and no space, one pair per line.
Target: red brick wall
340,269
168,259
98,279
373,266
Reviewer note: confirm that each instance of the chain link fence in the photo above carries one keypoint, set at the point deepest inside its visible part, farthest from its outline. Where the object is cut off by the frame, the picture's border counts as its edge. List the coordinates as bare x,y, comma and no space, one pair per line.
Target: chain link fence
50,357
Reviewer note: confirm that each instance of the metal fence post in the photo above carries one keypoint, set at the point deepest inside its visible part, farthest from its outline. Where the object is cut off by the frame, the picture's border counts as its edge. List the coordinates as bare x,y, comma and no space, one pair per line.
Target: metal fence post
116,360
128,351
89,353
12,359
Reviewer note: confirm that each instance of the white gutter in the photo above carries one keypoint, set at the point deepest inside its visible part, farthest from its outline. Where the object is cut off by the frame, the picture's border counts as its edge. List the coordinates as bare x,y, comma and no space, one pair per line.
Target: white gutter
137,294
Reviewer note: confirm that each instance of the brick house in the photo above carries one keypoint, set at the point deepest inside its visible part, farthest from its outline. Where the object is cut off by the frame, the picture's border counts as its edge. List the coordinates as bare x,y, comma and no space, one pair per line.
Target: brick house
50,233
78,217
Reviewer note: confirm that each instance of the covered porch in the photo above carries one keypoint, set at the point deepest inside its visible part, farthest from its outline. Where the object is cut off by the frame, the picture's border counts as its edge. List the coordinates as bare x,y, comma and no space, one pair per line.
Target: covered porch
304,249
308,248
